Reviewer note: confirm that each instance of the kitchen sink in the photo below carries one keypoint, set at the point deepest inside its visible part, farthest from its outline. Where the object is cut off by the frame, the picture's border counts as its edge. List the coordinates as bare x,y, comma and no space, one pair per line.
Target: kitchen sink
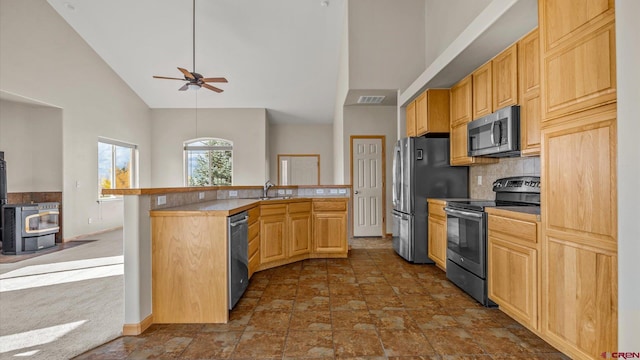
275,198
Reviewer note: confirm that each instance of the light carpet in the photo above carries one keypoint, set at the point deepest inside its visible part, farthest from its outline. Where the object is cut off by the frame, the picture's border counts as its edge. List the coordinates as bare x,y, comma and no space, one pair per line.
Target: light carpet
59,305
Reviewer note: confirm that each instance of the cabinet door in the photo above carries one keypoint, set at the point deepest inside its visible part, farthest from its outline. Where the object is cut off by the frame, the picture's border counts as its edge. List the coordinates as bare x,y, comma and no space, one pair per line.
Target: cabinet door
458,144
505,78
299,234
329,232
411,119
272,238
529,83
579,56
437,241
482,104
579,247
461,104
512,278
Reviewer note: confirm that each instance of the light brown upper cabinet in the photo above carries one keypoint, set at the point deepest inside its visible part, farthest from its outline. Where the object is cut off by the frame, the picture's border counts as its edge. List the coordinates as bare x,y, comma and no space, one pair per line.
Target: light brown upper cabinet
529,84
504,69
411,119
461,113
578,60
432,112
482,95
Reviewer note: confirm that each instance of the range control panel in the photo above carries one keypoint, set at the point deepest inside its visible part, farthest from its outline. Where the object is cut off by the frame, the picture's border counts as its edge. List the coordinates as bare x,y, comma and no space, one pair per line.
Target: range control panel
527,184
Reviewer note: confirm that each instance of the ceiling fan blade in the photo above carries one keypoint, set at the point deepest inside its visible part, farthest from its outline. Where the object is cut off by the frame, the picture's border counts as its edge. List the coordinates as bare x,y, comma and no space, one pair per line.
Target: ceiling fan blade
168,78
217,79
212,88
184,87
186,73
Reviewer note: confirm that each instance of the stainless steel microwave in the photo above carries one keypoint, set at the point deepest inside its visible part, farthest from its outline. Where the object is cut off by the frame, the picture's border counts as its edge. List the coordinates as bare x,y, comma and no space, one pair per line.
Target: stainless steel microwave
495,135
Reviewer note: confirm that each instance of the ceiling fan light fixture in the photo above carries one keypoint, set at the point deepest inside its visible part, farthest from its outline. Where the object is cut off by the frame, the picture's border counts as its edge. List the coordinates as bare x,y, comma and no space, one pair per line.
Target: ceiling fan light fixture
193,87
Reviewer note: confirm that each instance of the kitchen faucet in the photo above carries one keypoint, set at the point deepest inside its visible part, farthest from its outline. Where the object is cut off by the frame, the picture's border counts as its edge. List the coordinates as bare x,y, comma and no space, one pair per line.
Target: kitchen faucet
266,187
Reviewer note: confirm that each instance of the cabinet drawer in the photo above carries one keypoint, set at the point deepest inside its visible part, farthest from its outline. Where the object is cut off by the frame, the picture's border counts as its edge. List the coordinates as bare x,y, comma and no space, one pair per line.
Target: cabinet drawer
329,206
254,245
300,207
519,229
254,214
254,230
273,209
436,209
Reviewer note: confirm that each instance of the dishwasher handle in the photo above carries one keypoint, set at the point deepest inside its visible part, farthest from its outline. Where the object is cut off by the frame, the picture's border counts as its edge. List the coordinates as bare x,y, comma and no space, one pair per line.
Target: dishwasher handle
240,222
464,214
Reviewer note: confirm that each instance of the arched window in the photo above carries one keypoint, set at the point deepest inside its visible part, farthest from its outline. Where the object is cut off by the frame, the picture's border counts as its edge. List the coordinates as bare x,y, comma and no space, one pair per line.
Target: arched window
208,162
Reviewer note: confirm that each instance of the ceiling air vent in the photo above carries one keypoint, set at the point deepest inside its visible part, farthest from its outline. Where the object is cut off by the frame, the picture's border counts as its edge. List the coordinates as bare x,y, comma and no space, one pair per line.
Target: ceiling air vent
370,99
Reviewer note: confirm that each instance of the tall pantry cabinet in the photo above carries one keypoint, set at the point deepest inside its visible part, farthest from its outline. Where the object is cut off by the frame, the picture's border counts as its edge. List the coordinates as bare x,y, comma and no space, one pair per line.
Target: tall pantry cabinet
579,195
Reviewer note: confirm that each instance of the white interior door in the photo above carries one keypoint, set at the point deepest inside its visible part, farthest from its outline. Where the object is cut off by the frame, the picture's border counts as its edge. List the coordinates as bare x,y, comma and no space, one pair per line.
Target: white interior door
367,187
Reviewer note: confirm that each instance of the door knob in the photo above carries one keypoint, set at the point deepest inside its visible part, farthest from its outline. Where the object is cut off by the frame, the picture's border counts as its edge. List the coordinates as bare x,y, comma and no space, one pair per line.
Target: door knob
356,192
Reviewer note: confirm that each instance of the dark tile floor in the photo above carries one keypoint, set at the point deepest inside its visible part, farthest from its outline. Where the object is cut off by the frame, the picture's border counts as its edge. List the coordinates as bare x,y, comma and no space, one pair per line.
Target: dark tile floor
373,305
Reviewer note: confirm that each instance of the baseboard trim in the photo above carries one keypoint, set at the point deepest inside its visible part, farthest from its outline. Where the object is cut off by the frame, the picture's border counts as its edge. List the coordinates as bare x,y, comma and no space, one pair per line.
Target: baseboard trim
388,235
137,329
92,234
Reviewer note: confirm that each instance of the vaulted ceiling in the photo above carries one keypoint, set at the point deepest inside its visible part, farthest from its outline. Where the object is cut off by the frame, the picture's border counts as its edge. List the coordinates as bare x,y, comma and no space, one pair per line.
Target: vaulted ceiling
282,55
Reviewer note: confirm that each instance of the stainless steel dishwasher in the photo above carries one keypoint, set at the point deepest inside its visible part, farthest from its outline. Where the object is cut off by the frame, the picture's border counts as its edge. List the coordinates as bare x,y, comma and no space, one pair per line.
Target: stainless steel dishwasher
238,230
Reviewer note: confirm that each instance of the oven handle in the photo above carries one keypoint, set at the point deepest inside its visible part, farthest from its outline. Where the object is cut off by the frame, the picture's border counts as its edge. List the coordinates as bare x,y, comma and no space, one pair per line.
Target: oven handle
464,214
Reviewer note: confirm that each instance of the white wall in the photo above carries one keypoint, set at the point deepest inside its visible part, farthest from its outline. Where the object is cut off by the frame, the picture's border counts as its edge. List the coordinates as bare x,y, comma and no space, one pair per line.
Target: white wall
628,53
43,58
302,139
371,120
386,43
247,128
445,20
341,95
31,137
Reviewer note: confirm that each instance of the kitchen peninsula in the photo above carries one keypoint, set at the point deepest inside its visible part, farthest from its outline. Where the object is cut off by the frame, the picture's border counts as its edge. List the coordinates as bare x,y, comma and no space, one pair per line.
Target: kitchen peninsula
173,234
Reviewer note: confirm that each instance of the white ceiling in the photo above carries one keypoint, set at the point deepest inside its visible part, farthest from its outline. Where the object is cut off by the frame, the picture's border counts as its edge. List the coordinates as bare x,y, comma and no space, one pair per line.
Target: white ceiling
282,55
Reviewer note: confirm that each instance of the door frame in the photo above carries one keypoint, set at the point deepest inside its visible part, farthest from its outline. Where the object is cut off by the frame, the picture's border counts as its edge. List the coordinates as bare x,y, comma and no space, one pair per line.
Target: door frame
299,155
384,180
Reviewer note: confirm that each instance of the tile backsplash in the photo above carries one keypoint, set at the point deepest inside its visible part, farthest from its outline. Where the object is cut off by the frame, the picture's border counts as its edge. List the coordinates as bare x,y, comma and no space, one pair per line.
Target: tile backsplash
505,168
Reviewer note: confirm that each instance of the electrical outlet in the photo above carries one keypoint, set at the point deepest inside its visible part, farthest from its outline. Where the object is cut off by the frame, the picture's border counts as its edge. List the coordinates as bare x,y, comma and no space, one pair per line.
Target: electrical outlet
280,191
333,191
233,193
342,191
319,191
162,200
201,195
89,221
479,179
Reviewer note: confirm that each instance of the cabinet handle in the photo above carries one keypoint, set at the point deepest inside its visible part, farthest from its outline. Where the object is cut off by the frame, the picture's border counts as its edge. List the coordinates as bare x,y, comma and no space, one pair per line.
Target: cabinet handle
356,192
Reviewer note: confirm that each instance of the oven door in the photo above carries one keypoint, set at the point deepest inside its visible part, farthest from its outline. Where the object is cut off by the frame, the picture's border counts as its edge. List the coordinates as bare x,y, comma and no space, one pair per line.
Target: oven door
466,240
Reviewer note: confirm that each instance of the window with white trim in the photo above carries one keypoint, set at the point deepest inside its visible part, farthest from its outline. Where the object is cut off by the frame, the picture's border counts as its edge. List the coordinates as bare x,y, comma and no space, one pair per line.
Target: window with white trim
208,162
116,165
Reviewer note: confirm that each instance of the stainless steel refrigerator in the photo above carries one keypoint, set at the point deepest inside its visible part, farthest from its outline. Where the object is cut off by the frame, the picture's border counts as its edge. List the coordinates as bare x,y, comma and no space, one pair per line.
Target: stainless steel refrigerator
421,170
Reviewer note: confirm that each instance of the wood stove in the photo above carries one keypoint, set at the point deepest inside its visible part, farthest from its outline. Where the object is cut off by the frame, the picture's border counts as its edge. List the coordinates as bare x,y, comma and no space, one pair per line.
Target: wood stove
29,227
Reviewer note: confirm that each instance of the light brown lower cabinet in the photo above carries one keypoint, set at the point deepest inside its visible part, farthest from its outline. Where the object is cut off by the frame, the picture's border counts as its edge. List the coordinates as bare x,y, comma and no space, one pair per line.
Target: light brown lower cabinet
190,247
437,233
513,260
330,227
297,230
273,233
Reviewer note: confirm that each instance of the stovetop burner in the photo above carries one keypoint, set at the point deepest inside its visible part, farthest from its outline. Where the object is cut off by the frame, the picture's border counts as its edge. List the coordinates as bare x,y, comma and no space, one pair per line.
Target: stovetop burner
479,205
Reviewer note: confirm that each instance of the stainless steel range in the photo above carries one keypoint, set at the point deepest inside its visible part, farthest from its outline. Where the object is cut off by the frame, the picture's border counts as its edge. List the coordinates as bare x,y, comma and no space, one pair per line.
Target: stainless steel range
467,232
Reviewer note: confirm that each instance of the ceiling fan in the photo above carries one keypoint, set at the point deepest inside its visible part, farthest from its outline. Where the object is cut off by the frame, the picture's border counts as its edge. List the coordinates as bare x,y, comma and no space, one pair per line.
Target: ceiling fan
195,81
